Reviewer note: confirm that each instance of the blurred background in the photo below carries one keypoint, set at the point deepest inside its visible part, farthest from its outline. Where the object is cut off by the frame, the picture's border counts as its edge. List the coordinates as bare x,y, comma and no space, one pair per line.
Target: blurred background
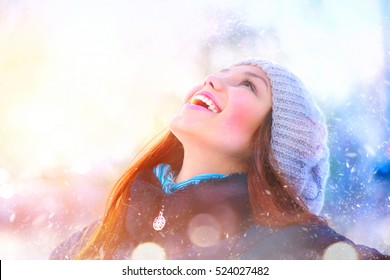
84,84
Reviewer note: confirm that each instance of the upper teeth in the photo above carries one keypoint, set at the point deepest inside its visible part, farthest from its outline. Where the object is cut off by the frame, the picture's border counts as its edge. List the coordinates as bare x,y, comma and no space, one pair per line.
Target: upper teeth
211,105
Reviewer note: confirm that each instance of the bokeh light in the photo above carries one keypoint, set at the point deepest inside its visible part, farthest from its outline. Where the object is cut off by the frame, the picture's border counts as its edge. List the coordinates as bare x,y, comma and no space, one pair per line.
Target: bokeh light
340,251
204,230
148,251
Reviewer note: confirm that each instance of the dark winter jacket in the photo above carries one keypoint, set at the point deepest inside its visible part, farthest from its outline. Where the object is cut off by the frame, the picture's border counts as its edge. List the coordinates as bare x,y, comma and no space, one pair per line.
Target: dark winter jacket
211,220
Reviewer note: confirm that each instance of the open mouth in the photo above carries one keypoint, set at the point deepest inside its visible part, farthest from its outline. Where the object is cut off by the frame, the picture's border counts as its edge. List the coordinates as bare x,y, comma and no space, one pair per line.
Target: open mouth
206,102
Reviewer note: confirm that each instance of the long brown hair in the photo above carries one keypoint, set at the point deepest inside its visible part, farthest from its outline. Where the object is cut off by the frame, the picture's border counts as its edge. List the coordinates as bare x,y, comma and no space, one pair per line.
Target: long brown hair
273,202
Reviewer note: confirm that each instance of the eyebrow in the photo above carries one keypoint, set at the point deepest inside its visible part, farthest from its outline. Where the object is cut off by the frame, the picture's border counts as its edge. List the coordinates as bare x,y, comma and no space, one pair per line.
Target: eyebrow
251,74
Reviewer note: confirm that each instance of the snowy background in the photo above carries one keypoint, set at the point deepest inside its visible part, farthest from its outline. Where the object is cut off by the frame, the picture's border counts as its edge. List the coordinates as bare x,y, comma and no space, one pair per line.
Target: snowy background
84,84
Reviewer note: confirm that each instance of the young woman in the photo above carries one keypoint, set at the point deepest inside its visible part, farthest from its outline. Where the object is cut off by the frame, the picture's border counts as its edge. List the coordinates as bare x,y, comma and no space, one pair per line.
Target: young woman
240,175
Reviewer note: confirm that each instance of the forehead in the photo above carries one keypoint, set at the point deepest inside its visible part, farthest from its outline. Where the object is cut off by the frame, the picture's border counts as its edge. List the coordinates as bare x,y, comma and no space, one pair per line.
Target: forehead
243,68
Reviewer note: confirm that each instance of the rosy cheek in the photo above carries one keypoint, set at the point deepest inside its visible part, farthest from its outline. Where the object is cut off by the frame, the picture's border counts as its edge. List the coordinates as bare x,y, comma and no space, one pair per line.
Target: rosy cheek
237,120
244,117
239,128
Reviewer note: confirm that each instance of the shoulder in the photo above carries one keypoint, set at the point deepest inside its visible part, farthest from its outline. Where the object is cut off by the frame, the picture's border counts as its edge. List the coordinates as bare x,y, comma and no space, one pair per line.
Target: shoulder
324,238
300,242
69,248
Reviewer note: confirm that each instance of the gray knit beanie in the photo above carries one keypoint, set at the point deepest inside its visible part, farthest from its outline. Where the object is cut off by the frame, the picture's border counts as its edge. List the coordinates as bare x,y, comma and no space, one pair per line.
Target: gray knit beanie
298,134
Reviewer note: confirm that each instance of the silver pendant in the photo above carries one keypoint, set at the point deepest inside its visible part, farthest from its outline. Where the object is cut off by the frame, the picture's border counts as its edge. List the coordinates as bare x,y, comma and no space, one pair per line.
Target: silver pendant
159,222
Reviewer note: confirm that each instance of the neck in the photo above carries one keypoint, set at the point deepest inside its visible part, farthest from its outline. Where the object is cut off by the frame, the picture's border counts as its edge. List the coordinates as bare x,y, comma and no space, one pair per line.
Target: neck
199,161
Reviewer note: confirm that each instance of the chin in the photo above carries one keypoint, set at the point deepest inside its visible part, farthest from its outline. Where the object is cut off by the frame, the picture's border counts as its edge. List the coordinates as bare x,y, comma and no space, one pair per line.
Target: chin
181,124
178,128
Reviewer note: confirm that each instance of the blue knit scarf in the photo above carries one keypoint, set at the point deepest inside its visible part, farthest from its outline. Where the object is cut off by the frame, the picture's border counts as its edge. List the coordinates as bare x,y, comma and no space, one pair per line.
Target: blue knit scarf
166,177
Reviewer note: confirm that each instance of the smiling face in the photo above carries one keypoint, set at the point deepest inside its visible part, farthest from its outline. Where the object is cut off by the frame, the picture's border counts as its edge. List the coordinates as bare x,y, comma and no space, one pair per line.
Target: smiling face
222,114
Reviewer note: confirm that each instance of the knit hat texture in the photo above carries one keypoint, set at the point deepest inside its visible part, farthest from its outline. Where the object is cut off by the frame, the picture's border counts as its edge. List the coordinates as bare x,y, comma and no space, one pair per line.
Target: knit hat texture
298,134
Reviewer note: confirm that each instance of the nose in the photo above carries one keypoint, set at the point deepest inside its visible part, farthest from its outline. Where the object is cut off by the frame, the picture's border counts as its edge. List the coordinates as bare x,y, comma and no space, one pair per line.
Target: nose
213,81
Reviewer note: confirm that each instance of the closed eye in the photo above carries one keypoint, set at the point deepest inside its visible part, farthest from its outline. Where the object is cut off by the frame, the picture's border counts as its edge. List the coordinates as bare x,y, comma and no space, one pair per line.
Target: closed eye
248,83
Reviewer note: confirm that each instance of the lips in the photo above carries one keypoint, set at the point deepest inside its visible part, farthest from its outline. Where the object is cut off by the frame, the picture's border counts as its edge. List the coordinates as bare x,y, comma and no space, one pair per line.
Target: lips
206,100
